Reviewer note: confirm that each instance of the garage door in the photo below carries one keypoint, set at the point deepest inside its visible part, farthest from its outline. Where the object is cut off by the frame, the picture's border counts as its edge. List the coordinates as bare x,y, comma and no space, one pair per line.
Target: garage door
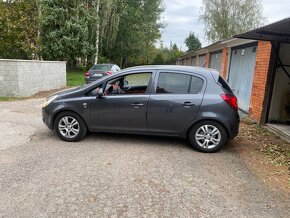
216,61
193,61
241,73
201,61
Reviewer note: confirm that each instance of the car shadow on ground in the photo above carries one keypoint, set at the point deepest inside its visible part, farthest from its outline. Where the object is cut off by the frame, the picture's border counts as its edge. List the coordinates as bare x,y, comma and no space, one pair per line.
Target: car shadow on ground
150,140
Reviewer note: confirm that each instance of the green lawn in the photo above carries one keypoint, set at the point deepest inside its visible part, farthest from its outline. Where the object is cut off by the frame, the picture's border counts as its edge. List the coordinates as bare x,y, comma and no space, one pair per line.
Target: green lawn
75,78
7,98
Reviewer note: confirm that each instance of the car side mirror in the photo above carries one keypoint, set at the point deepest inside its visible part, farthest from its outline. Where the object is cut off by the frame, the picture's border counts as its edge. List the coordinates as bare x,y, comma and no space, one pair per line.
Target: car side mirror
100,93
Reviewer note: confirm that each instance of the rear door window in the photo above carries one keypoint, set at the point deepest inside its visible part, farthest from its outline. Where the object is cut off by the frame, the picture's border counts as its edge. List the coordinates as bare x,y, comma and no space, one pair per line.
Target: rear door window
177,83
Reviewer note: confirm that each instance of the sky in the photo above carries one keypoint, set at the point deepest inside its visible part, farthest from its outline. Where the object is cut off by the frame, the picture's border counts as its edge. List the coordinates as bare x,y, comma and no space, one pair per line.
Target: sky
182,16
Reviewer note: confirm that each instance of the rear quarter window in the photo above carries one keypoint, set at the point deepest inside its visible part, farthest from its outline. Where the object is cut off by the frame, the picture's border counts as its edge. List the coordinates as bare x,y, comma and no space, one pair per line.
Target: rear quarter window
224,84
196,85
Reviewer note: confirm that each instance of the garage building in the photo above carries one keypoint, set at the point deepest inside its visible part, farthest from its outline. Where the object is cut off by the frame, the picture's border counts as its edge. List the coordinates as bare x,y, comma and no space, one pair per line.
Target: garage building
257,66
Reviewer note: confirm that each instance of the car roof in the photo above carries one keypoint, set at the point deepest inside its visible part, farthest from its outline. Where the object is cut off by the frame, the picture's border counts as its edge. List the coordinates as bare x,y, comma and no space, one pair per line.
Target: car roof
197,70
104,64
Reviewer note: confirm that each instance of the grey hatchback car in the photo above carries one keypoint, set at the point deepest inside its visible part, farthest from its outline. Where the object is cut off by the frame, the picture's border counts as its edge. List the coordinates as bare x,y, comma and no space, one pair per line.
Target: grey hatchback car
188,102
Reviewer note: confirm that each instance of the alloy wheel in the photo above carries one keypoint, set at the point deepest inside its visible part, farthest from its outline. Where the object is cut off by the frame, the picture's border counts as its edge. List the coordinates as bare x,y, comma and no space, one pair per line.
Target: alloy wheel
208,136
69,127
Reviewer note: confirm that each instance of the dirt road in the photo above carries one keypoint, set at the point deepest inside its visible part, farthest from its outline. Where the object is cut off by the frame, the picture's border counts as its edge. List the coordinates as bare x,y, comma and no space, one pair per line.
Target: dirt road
109,175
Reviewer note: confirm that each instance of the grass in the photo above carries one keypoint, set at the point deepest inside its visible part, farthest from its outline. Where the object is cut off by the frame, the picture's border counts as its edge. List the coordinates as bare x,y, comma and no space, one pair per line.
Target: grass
75,78
7,98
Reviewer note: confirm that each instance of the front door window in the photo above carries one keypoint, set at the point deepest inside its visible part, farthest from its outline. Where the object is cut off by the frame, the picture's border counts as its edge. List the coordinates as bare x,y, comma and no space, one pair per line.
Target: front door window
131,84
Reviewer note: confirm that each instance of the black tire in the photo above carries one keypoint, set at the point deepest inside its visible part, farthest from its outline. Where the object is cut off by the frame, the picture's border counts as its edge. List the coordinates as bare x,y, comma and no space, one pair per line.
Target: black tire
72,134
212,140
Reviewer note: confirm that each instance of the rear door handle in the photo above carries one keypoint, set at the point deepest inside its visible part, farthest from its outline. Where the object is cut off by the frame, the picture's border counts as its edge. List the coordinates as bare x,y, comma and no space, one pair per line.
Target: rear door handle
188,104
137,105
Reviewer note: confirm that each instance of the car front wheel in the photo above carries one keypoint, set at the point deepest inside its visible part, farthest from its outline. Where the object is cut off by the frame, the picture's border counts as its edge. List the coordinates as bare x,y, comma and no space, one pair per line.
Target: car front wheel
207,136
70,127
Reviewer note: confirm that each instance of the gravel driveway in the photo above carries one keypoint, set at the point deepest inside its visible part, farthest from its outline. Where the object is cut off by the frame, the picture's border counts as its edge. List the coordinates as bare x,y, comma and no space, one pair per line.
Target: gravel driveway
109,175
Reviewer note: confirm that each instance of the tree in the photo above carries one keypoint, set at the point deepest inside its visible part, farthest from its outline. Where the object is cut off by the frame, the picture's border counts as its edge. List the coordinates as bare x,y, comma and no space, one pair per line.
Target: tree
192,42
18,29
138,31
226,18
64,33
159,59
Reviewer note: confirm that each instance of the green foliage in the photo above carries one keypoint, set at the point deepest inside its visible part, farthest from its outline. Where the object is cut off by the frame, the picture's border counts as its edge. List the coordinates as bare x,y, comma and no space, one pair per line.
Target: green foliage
138,31
18,29
159,60
226,18
124,31
64,30
192,42
167,56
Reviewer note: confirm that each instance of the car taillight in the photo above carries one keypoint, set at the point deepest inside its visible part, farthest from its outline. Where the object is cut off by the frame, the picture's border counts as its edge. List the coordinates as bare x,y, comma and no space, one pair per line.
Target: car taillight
109,73
231,100
87,74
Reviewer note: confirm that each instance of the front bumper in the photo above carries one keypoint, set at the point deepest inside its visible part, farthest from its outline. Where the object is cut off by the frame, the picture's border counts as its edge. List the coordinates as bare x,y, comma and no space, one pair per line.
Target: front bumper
47,118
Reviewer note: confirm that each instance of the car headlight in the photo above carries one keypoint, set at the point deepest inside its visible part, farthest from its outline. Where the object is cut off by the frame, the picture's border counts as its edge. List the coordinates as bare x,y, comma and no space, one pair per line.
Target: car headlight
49,100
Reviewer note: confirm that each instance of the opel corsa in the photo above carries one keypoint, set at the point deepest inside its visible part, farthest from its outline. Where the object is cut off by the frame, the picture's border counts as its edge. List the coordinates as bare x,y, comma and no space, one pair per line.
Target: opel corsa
188,102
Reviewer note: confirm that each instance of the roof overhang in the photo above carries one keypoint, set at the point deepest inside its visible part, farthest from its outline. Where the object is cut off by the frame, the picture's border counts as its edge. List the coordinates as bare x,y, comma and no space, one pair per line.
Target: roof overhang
275,32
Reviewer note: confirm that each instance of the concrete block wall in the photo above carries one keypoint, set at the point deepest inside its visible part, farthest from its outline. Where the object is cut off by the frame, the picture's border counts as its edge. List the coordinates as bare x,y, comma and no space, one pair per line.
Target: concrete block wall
23,78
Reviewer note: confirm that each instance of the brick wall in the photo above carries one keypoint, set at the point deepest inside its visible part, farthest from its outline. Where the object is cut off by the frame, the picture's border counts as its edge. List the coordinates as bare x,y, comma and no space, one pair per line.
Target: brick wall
21,78
224,66
207,57
260,80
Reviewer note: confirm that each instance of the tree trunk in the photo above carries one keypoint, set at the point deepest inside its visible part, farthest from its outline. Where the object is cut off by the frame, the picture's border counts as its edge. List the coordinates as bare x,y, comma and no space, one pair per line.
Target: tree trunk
38,4
97,32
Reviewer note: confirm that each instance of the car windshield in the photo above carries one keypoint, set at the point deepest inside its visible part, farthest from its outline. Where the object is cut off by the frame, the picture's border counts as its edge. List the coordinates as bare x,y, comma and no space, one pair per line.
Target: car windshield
101,67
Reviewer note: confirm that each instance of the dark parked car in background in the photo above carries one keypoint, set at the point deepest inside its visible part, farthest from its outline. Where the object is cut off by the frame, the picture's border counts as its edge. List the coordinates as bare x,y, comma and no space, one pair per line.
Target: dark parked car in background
100,70
188,102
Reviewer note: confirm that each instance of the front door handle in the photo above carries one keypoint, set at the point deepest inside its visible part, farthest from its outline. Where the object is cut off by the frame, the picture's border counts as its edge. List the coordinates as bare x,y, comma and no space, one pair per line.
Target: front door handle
137,105
188,104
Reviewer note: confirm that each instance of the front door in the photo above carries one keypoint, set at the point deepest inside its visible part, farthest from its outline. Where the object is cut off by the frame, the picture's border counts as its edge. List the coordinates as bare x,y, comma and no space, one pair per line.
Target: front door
174,104
124,104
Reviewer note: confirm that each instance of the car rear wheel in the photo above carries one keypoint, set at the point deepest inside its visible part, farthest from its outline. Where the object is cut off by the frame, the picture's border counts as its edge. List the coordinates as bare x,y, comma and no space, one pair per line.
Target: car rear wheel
208,136
70,127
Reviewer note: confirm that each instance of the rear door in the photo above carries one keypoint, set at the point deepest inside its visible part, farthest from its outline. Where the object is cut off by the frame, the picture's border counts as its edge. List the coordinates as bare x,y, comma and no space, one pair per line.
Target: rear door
175,101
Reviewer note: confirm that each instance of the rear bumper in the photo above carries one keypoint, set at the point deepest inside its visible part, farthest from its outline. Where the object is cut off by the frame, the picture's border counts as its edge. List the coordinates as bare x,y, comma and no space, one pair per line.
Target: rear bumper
234,129
90,79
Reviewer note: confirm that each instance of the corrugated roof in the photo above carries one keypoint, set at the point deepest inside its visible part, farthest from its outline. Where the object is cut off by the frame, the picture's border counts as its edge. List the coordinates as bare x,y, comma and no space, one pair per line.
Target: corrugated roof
276,32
